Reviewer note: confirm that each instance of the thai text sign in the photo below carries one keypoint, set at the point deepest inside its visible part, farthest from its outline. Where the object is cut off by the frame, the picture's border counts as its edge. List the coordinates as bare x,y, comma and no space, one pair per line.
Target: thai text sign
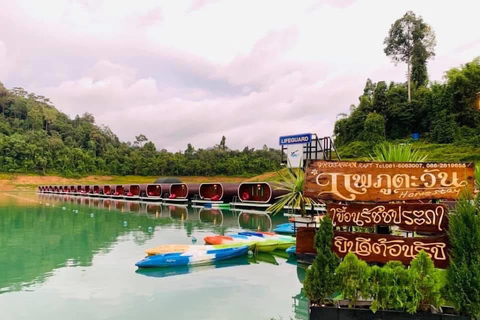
383,248
386,181
425,217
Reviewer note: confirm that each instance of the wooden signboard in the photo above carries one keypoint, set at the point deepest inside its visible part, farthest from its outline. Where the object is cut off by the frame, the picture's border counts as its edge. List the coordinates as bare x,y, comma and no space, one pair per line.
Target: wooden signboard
426,217
383,248
305,240
386,181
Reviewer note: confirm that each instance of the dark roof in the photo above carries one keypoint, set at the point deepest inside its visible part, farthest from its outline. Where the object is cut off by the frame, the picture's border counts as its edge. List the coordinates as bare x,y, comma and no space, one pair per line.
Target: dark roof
168,180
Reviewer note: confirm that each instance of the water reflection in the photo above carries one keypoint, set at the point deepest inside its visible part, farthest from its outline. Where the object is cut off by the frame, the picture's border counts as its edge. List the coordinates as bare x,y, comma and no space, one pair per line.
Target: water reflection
210,215
105,237
254,220
300,301
36,240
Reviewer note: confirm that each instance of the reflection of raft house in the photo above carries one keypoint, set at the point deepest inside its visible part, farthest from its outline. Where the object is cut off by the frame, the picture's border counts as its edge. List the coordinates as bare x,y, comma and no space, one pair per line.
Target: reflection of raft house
154,209
182,192
257,194
254,220
214,216
178,212
216,193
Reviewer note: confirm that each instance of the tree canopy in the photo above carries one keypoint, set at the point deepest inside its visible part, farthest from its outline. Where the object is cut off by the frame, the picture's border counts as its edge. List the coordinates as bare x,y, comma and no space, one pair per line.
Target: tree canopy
412,41
441,112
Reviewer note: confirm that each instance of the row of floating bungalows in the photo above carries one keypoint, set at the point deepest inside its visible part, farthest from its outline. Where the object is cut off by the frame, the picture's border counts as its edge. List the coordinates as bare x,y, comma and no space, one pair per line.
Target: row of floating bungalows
255,194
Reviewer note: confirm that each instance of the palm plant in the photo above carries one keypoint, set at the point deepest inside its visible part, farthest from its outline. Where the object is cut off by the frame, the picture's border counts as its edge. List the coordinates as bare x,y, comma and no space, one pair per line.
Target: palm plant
388,152
292,181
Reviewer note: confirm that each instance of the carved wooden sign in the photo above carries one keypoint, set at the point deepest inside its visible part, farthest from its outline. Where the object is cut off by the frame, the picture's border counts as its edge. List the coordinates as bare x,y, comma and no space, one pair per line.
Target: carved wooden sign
427,217
383,248
386,181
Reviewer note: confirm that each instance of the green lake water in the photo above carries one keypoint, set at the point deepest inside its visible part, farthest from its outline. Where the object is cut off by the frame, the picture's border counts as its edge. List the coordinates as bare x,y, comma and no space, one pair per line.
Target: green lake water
74,258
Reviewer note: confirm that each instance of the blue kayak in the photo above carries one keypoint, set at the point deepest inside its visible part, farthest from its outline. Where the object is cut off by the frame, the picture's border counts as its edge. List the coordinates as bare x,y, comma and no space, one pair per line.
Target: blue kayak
191,257
291,251
284,228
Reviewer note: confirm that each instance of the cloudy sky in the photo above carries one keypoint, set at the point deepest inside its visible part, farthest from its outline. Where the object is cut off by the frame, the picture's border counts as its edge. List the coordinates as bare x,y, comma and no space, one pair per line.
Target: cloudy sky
191,71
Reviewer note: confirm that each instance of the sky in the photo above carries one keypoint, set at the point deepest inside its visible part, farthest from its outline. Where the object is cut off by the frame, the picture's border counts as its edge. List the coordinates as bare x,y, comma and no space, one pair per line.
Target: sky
190,71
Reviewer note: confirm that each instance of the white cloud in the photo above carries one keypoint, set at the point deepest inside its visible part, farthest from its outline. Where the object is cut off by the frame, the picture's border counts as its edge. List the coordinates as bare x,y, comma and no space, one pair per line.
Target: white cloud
191,71
4,63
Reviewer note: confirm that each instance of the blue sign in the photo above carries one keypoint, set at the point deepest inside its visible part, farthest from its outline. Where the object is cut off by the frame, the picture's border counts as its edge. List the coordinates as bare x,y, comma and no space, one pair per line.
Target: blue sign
296,139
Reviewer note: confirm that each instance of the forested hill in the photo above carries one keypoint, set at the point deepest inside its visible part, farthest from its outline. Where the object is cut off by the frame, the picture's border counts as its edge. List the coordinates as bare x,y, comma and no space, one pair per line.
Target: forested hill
36,138
445,112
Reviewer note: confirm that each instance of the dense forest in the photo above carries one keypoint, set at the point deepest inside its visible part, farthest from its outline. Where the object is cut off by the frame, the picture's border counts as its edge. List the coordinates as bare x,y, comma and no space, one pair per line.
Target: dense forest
439,112
36,138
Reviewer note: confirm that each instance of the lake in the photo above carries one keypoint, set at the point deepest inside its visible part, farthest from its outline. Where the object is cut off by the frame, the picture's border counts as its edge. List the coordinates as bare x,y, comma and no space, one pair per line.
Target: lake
74,258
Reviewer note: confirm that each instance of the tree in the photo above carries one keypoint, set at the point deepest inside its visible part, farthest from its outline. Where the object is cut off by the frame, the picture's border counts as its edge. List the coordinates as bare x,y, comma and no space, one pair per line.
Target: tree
140,140
374,128
426,281
443,128
320,282
412,41
223,143
353,275
3,91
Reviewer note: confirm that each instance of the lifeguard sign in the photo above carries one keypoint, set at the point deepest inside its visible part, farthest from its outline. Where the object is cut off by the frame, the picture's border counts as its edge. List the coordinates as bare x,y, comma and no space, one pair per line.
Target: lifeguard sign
294,148
306,146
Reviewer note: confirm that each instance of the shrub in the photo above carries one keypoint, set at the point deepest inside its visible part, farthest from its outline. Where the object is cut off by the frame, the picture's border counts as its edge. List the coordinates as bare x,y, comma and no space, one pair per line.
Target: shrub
356,149
353,275
426,282
463,274
320,281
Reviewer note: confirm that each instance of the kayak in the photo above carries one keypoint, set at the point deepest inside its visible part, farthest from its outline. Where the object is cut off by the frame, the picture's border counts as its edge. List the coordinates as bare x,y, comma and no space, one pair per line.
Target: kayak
194,257
291,251
261,244
284,242
172,248
284,228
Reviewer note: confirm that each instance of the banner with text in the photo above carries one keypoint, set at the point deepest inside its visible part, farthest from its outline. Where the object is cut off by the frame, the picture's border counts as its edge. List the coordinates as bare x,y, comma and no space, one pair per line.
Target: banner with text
387,181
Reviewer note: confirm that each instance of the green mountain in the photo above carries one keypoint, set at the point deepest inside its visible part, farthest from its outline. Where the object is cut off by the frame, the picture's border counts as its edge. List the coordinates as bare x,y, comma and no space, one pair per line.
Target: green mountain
37,138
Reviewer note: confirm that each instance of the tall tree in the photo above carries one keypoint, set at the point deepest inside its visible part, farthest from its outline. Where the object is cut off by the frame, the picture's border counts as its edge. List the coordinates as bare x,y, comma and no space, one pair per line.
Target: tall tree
223,145
412,41
140,140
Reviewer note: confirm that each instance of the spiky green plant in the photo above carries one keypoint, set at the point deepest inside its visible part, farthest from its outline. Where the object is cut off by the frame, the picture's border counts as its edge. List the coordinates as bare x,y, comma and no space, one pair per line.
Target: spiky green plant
388,152
477,177
292,181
